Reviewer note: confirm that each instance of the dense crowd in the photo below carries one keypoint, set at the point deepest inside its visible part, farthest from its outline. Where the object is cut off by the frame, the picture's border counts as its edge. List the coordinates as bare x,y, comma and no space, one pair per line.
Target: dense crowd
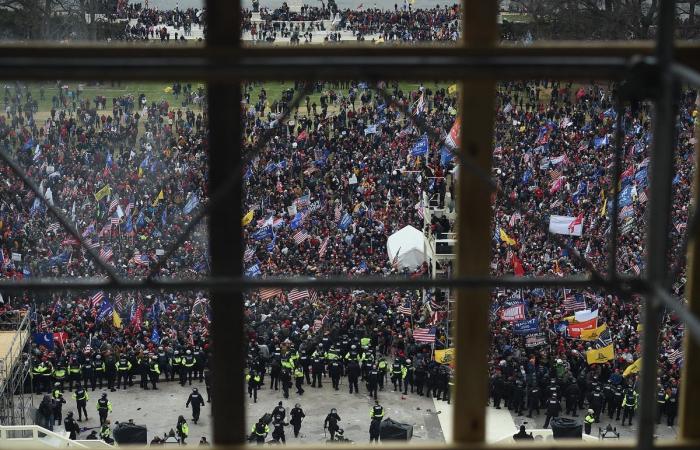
402,24
128,176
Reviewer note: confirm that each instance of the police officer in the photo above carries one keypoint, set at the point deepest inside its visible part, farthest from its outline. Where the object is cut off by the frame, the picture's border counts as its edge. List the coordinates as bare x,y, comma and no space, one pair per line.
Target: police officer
286,378
200,363
100,372
616,405
179,367
110,371
317,369
81,397
278,428
154,372
553,409
608,396
104,407
123,367
253,380
382,368
59,373
106,433
74,372
197,401
71,426
497,386
373,381
299,379
377,411
297,415
89,373
596,403
588,421
41,375
629,404
407,376
305,363
661,399
572,396
533,400
260,431
331,422
279,410
334,370
57,402
188,363
275,370
142,364
396,374
518,398
353,375
672,404
376,414
163,363
183,430
419,379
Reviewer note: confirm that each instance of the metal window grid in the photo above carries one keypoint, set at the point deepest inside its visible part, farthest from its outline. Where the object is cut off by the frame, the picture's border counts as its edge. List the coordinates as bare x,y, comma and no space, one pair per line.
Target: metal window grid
477,62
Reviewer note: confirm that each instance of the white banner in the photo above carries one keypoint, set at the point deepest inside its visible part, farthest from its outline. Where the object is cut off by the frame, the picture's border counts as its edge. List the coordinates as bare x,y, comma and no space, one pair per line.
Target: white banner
586,314
565,225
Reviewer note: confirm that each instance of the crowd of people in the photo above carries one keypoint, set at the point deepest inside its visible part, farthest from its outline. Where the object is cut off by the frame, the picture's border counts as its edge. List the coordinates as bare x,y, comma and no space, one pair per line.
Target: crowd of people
402,24
321,197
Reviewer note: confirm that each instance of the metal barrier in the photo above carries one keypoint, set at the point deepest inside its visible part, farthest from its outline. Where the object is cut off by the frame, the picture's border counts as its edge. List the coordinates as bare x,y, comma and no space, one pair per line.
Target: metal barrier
13,436
15,404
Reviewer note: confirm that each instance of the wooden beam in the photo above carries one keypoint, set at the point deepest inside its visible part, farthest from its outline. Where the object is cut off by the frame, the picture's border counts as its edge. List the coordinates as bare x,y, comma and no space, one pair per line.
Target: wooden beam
689,417
473,234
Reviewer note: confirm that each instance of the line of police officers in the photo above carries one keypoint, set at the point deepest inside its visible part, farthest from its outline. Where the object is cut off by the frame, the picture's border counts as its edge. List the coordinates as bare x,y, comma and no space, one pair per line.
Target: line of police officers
354,359
538,391
96,370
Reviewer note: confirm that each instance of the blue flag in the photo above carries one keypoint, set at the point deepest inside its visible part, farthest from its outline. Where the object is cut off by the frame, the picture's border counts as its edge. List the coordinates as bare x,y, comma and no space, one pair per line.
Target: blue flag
191,204
253,271
296,221
600,141
420,147
446,156
45,339
625,197
141,220
155,337
164,216
262,233
105,311
526,326
345,221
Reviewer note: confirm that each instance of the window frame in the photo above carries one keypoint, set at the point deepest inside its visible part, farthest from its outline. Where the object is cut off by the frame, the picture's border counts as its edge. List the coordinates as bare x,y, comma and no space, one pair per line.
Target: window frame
477,61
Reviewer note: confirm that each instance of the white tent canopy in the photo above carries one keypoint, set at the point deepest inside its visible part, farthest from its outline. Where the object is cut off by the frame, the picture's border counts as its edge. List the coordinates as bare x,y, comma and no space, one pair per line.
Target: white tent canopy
408,245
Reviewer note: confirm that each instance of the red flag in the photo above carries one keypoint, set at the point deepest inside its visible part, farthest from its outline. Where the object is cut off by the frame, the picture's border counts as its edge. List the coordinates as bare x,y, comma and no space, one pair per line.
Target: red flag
577,221
518,266
576,328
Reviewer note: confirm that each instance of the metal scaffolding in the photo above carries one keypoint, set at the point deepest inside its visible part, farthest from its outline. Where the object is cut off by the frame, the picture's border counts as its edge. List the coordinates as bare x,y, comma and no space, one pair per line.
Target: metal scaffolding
16,399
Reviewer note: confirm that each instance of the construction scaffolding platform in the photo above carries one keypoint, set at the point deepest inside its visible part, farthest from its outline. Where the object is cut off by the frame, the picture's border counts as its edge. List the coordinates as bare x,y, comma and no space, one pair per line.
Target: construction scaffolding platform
16,403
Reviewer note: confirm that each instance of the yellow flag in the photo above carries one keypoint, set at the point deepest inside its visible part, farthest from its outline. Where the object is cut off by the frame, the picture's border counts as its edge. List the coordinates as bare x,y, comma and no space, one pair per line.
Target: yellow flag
570,319
640,328
158,198
380,40
445,356
140,172
168,89
116,320
105,191
247,218
633,368
604,209
507,239
592,335
600,355
452,89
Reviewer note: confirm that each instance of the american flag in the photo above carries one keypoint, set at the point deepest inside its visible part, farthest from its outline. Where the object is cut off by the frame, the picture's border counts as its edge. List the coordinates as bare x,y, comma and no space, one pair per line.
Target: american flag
313,296
106,253
636,269
405,308
324,246
298,294
139,259
129,207
555,174
200,306
338,212
419,209
53,227
674,356
642,198
248,255
89,229
119,302
514,218
113,204
70,241
269,293
300,236
96,299
424,335
93,244
114,220
573,302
